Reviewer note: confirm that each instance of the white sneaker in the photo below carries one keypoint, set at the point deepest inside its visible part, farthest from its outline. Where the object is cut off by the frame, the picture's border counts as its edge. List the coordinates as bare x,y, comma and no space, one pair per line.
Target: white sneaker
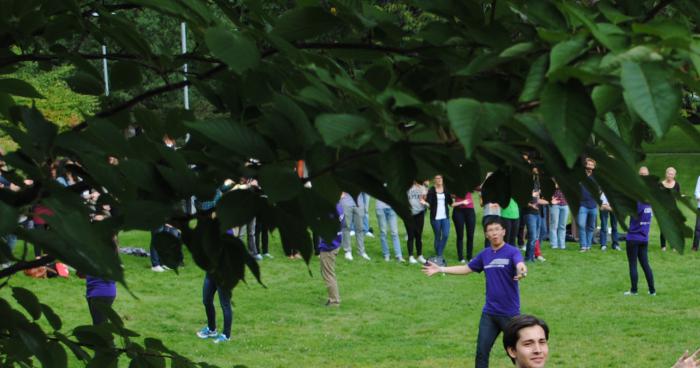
348,256
157,269
463,261
400,259
412,260
369,234
541,259
258,257
421,260
352,232
387,258
365,256
268,255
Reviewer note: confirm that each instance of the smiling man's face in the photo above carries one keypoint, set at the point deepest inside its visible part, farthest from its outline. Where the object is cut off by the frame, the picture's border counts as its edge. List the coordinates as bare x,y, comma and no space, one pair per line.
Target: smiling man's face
531,350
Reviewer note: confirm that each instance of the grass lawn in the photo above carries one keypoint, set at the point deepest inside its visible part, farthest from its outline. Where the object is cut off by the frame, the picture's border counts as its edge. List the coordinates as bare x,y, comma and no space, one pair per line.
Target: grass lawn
394,316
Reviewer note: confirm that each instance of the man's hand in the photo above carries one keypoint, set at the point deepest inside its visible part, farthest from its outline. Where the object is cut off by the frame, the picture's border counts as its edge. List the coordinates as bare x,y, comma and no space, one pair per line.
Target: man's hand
431,268
685,361
521,271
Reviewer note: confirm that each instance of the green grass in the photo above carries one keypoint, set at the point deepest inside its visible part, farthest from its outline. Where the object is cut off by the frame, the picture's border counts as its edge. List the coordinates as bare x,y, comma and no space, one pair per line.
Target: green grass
394,316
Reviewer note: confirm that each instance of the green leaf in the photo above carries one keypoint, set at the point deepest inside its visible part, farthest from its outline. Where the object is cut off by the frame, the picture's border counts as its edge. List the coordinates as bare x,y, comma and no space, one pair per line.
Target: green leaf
280,182
28,300
650,91
606,98
473,121
519,49
233,136
568,114
564,52
236,50
169,249
18,87
144,214
336,128
230,212
535,80
602,35
612,14
664,29
51,316
86,84
304,22
124,75
8,218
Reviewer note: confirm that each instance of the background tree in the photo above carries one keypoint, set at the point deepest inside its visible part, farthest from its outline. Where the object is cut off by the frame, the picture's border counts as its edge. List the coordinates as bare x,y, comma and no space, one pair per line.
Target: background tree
370,95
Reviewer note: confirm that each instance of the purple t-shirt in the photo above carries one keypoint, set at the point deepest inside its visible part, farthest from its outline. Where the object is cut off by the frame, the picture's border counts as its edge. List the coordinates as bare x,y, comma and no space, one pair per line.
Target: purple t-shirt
327,246
502,292
639,225
97,287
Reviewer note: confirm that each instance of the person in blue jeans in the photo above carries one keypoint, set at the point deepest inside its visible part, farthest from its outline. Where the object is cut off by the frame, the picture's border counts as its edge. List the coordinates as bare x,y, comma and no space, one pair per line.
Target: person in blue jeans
386,217
606,212
439,201
503,268
557,220
588,210
209,331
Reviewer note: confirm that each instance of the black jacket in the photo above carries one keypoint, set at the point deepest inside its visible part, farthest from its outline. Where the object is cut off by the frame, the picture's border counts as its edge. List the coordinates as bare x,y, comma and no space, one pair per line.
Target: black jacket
432,200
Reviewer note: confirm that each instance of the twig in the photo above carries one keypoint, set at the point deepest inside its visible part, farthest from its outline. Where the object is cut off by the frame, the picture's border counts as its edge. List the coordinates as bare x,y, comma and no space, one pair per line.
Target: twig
25,265
655,10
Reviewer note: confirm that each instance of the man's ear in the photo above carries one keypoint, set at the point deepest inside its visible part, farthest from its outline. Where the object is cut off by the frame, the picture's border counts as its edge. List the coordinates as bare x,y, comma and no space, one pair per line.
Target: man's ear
511,352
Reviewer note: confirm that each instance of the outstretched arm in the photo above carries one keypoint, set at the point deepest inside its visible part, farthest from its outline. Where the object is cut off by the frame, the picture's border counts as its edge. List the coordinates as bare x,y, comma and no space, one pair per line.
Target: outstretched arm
431,269
685,361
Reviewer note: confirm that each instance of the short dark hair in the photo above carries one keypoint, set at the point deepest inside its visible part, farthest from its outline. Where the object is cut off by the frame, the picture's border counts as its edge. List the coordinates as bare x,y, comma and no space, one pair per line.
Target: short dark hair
494,220
511,334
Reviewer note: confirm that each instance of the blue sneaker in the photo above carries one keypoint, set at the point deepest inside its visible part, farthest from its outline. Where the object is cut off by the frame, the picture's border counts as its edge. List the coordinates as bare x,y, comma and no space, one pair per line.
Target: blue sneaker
206,333
221,338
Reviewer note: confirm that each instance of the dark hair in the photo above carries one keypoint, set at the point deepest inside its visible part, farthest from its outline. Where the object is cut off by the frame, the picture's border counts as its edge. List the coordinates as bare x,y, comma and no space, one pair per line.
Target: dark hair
511,334
494,220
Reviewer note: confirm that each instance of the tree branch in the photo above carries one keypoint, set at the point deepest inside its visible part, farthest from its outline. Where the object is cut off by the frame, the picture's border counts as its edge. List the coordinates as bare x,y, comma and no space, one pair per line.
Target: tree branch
656,10
24,265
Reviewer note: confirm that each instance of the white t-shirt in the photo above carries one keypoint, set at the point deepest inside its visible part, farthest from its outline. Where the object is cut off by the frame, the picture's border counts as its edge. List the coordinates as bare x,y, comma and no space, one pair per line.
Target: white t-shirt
440,214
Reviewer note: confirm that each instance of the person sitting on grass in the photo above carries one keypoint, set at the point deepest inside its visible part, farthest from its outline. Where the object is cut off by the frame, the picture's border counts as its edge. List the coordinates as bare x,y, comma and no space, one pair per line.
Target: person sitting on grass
503,267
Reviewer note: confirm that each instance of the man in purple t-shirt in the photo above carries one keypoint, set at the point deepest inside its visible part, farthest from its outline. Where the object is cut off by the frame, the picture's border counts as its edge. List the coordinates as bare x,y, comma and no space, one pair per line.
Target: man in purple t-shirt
503,267
638,244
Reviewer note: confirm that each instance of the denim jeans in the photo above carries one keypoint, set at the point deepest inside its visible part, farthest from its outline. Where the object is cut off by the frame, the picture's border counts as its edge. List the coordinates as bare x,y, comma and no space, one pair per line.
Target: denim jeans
489,327
385,217
441,228
208,290
532,221
365,215
604,215
696,238
352,214
557,225
638,250
586,221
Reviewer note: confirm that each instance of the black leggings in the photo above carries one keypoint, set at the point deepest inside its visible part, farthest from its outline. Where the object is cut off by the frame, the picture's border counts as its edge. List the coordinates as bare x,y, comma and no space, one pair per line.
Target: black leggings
464,217
696,239
261,235
638,250
414,229
98,306
512,227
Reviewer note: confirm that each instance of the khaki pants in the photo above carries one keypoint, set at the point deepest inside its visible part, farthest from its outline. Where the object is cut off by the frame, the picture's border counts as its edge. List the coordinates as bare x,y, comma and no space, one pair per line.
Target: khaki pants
328,274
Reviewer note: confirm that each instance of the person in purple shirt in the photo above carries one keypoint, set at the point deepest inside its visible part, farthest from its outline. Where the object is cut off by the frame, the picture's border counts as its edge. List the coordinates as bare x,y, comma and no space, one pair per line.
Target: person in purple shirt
329,250
503,267
638,244
100,296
